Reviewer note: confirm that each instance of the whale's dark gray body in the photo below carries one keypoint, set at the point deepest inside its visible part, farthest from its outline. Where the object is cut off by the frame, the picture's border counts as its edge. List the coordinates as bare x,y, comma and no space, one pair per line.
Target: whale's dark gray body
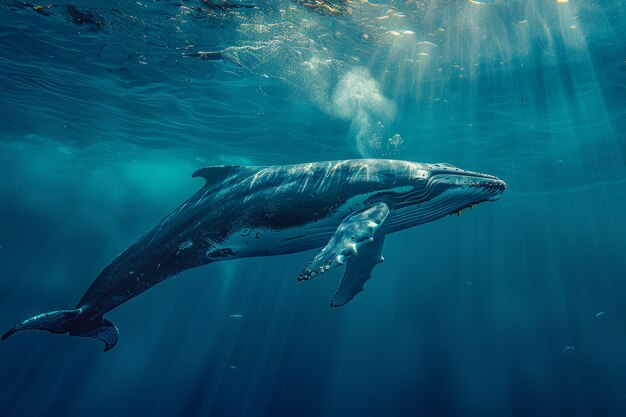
274,210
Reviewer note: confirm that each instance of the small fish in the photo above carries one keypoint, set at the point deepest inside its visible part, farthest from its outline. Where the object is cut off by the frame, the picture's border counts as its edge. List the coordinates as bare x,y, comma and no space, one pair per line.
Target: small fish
233,367
600,314
568,348
236,316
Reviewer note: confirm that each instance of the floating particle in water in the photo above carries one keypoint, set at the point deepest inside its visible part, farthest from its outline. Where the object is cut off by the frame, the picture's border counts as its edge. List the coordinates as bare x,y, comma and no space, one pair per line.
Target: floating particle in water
568,348
233,367
599,314
236,316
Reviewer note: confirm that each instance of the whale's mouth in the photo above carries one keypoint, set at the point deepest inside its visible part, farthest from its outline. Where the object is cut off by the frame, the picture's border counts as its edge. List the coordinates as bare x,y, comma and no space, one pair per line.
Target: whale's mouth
442,195
466,185
477,188
494,186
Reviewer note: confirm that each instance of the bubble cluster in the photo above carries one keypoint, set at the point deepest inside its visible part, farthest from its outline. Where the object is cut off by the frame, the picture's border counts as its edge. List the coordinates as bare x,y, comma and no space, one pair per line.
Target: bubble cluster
358,98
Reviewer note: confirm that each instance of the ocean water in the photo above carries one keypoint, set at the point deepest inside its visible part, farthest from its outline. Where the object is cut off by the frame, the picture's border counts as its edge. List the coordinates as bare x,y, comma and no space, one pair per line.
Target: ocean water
514,308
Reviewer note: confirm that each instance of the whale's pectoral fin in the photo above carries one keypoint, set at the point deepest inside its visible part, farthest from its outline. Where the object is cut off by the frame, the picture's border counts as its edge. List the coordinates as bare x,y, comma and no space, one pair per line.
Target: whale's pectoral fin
355,231
72,322
359,270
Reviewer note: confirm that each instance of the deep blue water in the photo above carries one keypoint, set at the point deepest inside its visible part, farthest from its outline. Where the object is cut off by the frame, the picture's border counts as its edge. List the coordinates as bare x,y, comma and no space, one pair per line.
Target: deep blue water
107,108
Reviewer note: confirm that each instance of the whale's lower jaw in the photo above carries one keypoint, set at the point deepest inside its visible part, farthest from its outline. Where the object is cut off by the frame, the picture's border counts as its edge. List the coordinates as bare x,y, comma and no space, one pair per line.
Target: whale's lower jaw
451,201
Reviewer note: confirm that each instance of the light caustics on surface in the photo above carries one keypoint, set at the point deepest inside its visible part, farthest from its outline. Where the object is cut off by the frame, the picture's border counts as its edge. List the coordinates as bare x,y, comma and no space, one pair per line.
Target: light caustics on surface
446,64
440,62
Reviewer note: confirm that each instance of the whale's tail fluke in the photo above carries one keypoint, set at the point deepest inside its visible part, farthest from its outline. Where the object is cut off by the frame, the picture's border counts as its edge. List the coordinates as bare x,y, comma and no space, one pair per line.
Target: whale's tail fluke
72,322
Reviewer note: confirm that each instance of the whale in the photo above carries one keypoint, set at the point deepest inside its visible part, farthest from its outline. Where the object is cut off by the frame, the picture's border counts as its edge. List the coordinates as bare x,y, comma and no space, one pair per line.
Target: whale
343,208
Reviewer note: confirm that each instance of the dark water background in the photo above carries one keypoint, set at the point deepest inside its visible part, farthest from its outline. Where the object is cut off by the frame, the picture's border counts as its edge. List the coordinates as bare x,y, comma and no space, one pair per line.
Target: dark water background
106,108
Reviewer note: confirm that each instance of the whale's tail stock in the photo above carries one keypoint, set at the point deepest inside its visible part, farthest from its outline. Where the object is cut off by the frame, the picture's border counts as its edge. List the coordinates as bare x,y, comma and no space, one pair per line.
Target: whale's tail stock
74,322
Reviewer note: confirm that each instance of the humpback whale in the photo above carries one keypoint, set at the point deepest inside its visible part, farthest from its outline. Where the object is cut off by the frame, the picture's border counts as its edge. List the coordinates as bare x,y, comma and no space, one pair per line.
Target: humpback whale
347,208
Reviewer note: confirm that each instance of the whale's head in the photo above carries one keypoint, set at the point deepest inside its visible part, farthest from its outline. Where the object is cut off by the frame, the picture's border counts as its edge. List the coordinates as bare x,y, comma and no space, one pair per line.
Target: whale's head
420,193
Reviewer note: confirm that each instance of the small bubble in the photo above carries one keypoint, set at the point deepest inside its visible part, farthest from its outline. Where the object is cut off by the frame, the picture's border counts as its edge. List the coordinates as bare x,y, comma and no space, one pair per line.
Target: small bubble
395,140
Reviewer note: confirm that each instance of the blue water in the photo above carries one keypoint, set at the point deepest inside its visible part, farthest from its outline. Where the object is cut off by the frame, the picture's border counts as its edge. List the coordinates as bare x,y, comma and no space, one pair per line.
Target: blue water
515,308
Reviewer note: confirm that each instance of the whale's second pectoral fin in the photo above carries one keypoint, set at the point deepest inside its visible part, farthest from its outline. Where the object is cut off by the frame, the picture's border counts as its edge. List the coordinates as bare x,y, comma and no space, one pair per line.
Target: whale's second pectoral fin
359,270
355,231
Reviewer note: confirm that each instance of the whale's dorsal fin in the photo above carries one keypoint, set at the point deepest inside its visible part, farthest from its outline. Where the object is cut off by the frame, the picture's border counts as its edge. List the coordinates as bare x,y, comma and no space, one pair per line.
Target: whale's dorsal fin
216,173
